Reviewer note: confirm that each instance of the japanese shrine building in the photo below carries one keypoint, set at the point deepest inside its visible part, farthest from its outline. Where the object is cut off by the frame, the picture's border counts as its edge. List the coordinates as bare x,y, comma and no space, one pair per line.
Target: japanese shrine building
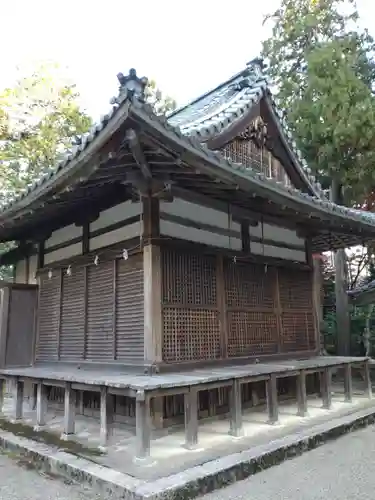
170,243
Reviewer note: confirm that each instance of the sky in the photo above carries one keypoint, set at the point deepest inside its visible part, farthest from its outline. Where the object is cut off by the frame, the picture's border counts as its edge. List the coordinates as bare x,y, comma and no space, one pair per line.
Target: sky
187,47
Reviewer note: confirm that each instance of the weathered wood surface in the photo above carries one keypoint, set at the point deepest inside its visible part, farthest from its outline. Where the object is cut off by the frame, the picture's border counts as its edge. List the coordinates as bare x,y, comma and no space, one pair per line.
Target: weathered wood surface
104,376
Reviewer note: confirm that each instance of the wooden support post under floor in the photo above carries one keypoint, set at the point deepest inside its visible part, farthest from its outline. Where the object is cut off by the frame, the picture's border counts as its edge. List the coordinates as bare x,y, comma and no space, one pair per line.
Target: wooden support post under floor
2,394
41,406
348,386
106,417
143,427
236,428
69,412
157,405
191,419
272,402
18,400
327,388
301,394
368,386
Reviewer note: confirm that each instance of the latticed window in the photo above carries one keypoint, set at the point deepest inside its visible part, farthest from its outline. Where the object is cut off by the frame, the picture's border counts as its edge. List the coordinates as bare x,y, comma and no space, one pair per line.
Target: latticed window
248,154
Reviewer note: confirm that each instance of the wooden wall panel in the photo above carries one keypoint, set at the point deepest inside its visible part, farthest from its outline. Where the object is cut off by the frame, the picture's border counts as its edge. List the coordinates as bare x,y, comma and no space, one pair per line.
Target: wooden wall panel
250,302
265,311
100,300
72,330
190,309
48,317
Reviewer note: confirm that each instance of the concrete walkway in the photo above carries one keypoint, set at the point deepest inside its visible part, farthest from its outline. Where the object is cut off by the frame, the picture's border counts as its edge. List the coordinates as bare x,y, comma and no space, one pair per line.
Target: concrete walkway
340,470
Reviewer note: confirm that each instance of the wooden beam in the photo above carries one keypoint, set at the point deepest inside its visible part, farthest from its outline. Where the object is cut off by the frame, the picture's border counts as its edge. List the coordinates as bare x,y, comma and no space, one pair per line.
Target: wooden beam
348,386
151,218
236,428
191,418
138,154
245,237
301,394
18,399
153,329
143,427
153,332
69,411
327,388
41,406
221,305
272,402
239,214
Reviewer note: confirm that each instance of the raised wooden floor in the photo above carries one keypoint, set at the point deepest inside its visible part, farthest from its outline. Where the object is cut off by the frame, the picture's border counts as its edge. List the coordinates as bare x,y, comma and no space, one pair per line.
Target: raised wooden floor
143,388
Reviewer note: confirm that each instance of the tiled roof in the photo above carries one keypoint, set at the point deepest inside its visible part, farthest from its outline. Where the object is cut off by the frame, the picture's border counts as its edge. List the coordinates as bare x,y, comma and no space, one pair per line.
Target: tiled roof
215,111
131,96
362,289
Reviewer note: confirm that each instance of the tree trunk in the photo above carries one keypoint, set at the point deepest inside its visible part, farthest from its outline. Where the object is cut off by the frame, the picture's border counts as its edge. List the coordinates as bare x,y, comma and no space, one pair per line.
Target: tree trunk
342,302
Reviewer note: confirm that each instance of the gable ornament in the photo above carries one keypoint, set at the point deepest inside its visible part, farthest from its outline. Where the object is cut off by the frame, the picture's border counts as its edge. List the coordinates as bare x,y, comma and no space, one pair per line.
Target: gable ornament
256,132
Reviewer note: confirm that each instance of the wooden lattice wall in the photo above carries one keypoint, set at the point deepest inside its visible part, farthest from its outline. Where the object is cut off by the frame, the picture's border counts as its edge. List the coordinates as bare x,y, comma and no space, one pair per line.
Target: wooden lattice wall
215,308
246,152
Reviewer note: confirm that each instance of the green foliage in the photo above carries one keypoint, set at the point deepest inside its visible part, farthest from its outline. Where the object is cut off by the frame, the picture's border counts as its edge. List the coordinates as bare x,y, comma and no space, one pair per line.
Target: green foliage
39,117
324,71
161,103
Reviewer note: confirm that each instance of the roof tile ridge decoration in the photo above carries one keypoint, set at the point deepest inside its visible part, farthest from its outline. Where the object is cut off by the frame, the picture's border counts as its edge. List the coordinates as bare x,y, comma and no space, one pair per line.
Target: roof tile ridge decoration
251,84
322,202
131,87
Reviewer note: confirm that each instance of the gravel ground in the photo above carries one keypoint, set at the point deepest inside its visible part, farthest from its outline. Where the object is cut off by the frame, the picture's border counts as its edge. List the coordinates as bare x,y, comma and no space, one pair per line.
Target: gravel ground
19,481
340,470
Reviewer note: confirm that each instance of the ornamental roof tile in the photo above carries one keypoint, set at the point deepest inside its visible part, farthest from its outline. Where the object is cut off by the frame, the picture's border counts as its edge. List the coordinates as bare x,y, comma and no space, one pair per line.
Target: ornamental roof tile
183,128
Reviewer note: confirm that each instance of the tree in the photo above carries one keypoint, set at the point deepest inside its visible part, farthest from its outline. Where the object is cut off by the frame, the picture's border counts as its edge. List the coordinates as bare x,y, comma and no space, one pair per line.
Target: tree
39,118
161,103
324,70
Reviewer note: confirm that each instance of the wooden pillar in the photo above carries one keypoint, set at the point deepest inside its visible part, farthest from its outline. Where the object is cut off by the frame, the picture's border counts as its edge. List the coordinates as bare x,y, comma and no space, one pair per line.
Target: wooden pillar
236,428
317,285
327,388
272,403
4,322
69,411
348,387
191,419
106,416
157,405
143,427
368,386
221,305
2,394
61,278
18,400
41,406
278,312
245,237
152,284
301,394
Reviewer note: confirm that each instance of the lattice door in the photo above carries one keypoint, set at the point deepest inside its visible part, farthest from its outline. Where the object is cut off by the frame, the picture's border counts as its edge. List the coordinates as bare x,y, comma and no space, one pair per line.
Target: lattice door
296,300
250,303
190,311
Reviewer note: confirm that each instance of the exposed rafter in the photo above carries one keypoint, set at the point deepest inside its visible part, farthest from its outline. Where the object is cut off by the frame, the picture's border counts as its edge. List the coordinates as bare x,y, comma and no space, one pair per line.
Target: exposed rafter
136,149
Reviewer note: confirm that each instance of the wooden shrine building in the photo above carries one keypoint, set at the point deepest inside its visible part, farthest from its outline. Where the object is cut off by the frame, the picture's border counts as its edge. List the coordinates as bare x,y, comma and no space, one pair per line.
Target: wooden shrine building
160,247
